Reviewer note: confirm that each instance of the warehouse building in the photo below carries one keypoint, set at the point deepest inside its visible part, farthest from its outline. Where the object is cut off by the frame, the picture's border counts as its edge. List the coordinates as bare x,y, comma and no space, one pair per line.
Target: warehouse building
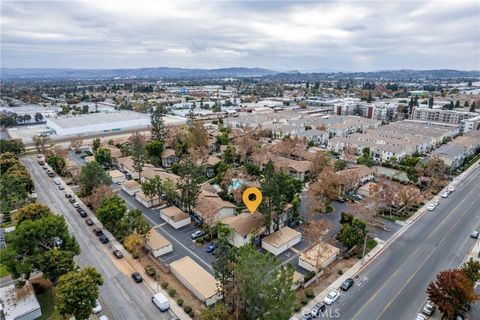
104,122
201,283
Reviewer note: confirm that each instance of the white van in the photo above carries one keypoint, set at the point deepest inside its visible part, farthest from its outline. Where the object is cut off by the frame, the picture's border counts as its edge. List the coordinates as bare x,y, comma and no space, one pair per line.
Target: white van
161,302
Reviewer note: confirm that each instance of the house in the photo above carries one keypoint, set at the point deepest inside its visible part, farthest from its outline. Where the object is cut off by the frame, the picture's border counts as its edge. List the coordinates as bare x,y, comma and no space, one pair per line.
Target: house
116,176
150,172
318,257
367,189
210,208
175,217
281,240
299,169
125,164
147,202
355,176
168,157
246,227
196,279
19,303
157,244
131,187
210,165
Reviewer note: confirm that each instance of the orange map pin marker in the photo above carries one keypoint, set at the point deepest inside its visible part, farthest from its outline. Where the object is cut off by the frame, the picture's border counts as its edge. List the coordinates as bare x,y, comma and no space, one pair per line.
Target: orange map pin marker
252,197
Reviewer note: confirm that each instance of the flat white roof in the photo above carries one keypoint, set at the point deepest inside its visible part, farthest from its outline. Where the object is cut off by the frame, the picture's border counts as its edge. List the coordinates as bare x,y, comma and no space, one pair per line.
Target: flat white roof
18,302
98,118
282,236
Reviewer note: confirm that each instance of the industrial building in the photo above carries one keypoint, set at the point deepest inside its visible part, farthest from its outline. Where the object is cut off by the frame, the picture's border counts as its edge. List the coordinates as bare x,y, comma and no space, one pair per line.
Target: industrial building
104,122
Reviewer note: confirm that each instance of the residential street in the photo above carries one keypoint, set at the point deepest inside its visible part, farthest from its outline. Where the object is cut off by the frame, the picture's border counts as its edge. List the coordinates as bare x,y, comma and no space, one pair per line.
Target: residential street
120,297
393,285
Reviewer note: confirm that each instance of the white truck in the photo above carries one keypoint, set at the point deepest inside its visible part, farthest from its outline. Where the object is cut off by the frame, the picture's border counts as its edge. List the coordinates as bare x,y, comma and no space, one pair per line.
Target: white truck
161,302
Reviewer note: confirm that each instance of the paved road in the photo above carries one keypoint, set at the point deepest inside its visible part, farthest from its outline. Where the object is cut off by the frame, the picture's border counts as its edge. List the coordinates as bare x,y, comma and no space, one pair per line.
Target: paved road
393,285
120,297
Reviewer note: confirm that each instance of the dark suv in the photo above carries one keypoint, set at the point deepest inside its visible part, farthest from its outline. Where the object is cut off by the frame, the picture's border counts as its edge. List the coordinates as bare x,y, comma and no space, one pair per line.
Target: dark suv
347,284
98,232
137,277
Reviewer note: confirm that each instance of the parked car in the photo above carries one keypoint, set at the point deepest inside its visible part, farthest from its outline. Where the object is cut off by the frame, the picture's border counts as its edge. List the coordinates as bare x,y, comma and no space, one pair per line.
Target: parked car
451,189
331,297
318,309
71,200
51,174
97,231
118,254
150,270
421,317
103,239
211,247
197,234
83,214
161,302
89,222
76,204
137,277
104,317
44,168
432,206
445,194
428,308
475,234
347,284
60,187
97,308
306,317
68,196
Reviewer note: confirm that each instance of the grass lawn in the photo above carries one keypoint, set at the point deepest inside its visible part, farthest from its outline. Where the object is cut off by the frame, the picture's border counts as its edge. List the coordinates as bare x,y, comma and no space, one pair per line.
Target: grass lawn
394,218
3,271
45,298
371,244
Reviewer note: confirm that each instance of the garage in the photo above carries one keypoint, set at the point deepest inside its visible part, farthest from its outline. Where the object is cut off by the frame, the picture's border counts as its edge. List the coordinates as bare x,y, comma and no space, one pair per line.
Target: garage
281,240
175,217
157,244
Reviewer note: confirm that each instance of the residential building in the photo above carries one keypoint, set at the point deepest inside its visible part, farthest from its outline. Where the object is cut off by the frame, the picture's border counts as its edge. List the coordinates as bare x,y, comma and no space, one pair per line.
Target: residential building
131,187
168,157
281,240
158,245
19,303
175,217
246,227
440,115
318,257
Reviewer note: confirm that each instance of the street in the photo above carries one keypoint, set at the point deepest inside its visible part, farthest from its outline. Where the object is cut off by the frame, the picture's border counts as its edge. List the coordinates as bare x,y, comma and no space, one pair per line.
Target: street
120,297
393,285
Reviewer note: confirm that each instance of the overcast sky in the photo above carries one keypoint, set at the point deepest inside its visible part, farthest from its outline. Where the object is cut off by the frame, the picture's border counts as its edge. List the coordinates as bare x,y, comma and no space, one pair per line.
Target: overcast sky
279,35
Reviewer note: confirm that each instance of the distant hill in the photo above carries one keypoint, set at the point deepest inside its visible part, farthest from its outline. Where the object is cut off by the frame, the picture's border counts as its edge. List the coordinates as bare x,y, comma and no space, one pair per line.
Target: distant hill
142,73
234,72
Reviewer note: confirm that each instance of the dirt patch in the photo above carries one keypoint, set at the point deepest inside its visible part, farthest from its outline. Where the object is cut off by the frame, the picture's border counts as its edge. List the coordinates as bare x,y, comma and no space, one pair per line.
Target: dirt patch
181,291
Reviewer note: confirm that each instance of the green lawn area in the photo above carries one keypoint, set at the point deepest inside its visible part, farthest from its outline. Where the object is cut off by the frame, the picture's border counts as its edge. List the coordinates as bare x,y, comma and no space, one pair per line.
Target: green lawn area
394,218
3,271
371,244
47,305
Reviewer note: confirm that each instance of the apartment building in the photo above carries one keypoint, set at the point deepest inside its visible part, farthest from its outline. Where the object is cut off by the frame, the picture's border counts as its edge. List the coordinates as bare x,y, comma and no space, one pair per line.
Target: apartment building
440,115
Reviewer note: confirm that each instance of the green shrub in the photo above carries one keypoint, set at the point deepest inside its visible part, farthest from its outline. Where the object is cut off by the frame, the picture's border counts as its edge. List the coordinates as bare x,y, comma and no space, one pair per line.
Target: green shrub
328,209
309,276
309,293
340,271
164,285
304,301
187,309
191,314
180,302
297,307
172,292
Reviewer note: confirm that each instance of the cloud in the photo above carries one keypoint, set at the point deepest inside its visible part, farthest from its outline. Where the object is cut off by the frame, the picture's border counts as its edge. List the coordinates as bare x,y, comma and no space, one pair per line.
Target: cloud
280,35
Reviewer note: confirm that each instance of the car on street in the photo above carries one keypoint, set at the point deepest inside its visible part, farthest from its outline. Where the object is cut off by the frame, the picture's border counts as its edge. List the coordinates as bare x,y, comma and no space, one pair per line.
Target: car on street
60,187
69,196
51,174
306,317
451,189
97,231
97,308
432,206
347,284
445,194
76,205
117,254
211,247
428,308
197,234
474,234
421,317
82,214
318,309
137,277
104,317
331,297
103,239
44,168
89,222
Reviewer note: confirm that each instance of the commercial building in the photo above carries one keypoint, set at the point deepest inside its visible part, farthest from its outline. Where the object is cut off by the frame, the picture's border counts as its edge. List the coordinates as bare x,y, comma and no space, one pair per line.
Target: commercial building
104,122
281,240
201,283
157,244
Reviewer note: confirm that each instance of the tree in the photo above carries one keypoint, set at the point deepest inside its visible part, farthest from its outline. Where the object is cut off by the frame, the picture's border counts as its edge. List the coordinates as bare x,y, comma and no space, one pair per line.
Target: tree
158,125
353,233
472,107
189,185
197,135
138,154
154,151
38,117
111,211
450,291
133,243
103,156
40,142
57,163
326,187
219,311
99,194
457,104
430,102
77,293
315,232
33,211
30,243
340,165
471,269
229,155
170,191
153,188
366,158
225,257
265,293
95,144
91,176
132,222
15,146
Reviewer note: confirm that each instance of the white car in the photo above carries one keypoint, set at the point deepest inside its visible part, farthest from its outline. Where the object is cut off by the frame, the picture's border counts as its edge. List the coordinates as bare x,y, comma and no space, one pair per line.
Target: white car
421,317
445,194
104,317
97,308
432,206
451,189
331,297
428,308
